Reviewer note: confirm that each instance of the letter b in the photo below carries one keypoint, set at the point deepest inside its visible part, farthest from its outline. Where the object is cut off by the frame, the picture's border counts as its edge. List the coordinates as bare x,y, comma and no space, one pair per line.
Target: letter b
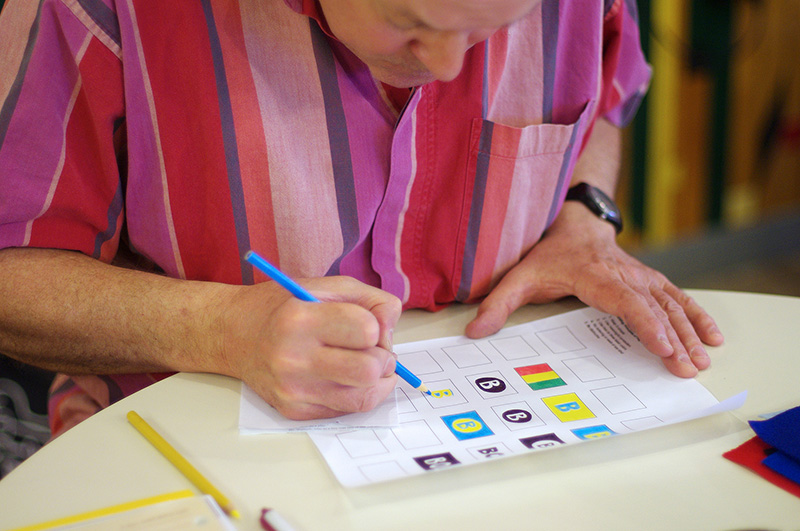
568,406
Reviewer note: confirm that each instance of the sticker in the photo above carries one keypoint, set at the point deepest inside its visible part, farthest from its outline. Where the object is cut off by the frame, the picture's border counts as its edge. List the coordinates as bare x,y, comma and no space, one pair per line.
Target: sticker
540,376
594,432
490,384
541,442
437,461
467,425
568,407
517,416
488,452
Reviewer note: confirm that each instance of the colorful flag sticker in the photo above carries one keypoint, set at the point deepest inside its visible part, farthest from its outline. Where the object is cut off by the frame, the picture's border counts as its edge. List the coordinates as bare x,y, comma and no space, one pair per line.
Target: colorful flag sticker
540,376
467,425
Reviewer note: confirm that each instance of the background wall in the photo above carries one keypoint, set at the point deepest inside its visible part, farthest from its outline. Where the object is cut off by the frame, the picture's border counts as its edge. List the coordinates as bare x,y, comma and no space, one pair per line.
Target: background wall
713,159
718,140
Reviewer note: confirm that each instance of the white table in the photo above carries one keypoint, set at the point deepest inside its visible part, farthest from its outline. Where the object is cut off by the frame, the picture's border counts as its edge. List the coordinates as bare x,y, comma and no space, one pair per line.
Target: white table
669,478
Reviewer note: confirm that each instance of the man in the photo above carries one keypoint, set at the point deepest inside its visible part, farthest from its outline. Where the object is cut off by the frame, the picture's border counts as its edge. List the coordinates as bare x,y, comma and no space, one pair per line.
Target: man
423,147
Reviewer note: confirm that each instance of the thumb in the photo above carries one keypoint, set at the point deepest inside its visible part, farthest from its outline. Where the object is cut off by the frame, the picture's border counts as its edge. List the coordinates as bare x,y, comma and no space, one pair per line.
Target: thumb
493,313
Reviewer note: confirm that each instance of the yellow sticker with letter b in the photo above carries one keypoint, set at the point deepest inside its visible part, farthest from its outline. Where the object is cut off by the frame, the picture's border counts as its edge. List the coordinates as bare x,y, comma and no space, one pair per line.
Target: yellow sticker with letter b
568,407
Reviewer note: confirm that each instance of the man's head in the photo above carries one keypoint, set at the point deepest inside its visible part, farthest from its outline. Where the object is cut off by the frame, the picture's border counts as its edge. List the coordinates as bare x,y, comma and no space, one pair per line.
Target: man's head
409,43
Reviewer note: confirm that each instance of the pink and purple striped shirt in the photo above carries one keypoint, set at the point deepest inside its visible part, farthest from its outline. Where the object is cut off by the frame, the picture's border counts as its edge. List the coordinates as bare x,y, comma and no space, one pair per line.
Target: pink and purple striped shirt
192,131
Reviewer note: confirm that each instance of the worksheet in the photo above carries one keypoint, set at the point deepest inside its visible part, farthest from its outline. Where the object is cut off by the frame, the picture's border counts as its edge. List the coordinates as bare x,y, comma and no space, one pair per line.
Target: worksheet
256,416
567,379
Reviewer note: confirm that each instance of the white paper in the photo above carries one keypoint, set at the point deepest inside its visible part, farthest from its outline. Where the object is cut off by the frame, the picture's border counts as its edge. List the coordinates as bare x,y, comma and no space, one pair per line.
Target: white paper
256,416
600,381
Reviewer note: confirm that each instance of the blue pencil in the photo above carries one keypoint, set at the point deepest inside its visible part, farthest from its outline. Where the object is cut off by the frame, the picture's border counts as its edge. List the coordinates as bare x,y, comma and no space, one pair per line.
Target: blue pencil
295,289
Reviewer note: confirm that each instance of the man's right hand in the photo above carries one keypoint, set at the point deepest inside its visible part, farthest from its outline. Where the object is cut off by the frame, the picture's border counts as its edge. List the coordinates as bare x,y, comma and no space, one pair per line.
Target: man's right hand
312,360
70,313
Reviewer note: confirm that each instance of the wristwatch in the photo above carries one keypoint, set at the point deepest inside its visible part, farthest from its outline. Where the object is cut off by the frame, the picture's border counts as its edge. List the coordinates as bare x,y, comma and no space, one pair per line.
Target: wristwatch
598,202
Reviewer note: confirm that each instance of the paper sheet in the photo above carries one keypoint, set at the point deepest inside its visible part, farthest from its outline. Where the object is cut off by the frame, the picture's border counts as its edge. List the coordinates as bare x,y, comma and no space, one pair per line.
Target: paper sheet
562,380
256,416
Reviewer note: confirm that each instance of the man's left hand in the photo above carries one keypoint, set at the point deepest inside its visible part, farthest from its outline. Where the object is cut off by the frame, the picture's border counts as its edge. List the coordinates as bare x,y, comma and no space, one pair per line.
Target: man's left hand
579,256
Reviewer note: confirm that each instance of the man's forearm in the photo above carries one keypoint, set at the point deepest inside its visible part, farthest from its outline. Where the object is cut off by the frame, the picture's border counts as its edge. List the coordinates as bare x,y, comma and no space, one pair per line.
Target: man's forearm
599,163
64,311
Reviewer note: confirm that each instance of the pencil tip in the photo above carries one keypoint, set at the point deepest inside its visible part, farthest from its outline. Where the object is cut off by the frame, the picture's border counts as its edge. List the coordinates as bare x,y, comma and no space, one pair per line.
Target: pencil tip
235,514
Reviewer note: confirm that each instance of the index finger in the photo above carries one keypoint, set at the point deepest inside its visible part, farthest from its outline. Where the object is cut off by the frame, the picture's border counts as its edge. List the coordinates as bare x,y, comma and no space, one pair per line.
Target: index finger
703,323
646,319
344,325
385,307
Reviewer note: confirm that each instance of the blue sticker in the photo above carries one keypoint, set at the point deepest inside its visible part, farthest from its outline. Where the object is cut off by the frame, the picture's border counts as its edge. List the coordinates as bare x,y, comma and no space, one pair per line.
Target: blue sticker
594,432
467,425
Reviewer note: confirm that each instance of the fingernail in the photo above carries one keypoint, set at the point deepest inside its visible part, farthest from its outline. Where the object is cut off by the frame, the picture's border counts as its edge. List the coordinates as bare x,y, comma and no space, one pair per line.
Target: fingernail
386,341
691,367
698,352
391,364
664,341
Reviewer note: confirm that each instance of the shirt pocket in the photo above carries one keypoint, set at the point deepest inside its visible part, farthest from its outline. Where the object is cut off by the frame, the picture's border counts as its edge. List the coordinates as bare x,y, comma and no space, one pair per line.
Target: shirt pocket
519,180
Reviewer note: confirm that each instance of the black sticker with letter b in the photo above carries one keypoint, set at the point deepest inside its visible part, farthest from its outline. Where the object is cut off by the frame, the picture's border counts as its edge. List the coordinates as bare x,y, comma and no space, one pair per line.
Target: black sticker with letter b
436,461
491,384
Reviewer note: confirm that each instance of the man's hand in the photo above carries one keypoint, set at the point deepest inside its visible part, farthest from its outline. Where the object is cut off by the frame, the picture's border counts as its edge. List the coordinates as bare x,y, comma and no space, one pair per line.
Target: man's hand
71,313
579,256
313,360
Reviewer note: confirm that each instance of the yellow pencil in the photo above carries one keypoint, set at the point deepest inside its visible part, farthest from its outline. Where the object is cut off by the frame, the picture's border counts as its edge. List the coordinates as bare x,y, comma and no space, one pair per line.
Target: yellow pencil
186,468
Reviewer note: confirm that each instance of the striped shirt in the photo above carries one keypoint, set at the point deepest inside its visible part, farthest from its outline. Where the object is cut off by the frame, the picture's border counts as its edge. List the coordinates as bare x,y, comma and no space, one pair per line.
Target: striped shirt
192,131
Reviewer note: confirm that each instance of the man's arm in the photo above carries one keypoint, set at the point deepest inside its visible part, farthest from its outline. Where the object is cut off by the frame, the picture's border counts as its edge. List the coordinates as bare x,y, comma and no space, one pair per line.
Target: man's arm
67,312
578,255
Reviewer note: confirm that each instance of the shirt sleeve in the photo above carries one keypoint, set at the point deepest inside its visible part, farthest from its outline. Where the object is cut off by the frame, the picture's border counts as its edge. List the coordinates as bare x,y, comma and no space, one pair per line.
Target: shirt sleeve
60,122
626,73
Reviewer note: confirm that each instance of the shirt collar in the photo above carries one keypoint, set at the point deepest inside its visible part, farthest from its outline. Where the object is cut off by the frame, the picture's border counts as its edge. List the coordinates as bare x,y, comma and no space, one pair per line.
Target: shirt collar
311,9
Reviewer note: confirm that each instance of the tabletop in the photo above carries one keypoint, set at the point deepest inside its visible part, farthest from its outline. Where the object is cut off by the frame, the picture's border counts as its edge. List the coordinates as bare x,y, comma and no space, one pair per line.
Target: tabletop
672,477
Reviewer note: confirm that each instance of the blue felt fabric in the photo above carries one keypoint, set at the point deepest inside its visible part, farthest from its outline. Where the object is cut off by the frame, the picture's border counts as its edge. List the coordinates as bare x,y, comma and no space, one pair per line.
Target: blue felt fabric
783,465
782,432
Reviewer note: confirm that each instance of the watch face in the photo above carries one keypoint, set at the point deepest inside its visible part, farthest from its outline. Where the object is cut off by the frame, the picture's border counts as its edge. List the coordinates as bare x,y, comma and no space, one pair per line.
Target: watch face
603,202
599,203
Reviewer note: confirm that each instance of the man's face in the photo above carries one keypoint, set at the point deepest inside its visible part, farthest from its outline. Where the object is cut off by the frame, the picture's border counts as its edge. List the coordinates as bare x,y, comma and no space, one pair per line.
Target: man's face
407,43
